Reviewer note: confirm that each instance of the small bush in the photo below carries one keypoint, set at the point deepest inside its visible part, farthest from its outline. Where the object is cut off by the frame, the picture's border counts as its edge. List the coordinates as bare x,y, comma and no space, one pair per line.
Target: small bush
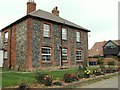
111,63
43,78
69,78
80,71
87,73
48,80
98,72
111,70
40,77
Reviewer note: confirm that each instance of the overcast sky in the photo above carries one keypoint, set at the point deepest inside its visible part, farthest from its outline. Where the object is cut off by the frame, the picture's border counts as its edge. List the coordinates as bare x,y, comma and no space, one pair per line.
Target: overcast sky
99,16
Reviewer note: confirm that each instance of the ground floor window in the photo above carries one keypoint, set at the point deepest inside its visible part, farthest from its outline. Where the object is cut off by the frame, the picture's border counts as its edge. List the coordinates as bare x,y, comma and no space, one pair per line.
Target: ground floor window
64,54
78,55
46,54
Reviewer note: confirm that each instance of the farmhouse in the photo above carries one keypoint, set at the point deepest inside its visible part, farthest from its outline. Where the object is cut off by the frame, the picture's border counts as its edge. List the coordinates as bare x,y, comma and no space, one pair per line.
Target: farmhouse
44,40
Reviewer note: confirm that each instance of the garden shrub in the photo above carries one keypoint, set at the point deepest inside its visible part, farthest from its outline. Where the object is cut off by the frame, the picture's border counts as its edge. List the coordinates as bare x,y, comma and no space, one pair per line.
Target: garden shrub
43,78
98,71
80,71
40,77
111,63
87,73
48,80
111,70
69,78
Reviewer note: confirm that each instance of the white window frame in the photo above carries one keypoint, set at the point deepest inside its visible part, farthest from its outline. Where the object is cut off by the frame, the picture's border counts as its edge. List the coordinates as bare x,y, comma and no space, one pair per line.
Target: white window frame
64,33
64,54
6,37
79,55
78,36
5,54
46,31
47,54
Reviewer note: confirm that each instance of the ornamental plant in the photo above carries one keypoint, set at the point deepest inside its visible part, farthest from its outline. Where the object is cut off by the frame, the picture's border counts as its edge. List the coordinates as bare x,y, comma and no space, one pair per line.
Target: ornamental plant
80,71
69,78
98,71
48,80
39,77
87,73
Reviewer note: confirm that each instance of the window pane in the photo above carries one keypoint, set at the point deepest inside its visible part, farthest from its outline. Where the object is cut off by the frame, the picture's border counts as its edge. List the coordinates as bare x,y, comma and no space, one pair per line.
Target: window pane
64,34
46,30
46,53
78,36
64,54
5,54
78,55
6,35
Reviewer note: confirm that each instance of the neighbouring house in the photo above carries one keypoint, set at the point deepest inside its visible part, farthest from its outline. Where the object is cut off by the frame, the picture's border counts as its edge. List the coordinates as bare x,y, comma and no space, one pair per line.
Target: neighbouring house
1,51
44,40
111,48
106,49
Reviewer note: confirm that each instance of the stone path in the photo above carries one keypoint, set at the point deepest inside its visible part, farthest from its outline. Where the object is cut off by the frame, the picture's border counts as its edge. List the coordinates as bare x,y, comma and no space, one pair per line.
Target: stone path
108,83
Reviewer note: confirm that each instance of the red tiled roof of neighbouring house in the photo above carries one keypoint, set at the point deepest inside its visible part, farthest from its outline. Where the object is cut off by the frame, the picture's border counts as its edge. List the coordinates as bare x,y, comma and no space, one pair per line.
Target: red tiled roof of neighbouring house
97,49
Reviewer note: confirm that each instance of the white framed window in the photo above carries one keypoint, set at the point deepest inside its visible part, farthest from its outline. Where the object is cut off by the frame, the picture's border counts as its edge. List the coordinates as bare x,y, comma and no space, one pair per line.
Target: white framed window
78,36
46,30
6,37
64,33
5,55
78,55
46,54
64,54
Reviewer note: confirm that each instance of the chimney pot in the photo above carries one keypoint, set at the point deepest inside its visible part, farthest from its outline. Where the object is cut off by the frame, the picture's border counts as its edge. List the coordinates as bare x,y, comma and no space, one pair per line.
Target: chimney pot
31,6
55,11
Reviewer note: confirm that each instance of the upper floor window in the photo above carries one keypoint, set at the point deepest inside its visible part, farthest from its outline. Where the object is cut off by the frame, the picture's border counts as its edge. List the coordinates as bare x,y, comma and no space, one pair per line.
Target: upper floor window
5,55
46,54
46,32
78,55
78,36
64,34
6,37
64,54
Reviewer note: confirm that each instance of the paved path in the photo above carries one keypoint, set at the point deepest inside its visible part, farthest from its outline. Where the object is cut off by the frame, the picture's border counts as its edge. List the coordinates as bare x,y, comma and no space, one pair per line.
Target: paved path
108,83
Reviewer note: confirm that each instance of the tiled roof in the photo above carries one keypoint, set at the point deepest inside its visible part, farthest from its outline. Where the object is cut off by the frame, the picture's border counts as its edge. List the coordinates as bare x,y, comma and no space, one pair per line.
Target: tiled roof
97,49
117,42
50,16
47,16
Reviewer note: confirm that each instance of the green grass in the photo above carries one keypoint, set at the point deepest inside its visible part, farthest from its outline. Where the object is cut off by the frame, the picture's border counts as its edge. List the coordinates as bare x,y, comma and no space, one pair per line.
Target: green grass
14,78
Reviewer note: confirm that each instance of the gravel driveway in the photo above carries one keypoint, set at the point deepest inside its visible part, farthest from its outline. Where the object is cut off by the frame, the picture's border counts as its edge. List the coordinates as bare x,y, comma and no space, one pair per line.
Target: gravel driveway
108,83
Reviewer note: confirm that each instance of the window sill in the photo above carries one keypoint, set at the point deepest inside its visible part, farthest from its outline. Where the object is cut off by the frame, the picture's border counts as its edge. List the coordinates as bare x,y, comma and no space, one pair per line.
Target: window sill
65,61
78,60
46,61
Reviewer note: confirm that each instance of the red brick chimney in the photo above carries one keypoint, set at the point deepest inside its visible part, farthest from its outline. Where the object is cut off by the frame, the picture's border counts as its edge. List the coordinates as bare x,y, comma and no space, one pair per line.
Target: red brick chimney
31,6
55,11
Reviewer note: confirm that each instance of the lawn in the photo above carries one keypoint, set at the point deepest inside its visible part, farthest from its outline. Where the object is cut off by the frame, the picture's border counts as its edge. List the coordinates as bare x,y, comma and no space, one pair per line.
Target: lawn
13,78
16,78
